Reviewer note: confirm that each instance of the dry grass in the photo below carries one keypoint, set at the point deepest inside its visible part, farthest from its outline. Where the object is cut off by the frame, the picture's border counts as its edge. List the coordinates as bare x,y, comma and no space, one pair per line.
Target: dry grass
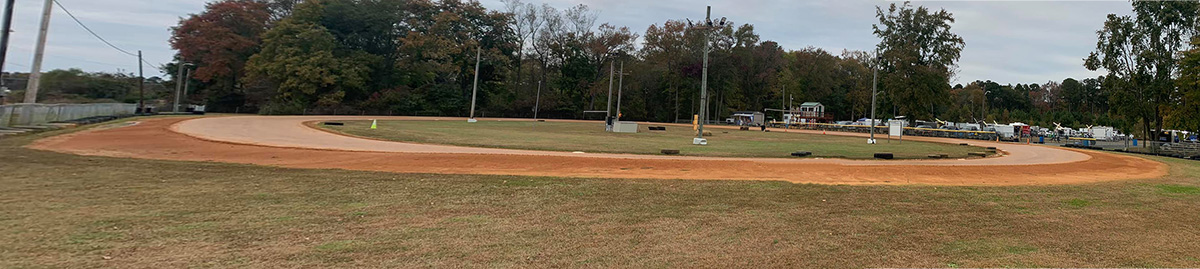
591,137
61,210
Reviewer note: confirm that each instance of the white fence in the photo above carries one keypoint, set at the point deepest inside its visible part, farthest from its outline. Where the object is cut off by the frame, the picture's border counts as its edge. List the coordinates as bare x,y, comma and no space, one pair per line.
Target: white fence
34,114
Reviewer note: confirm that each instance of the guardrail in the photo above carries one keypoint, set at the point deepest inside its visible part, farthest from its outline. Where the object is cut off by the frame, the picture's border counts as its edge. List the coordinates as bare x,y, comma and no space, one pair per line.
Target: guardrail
883,130
37,114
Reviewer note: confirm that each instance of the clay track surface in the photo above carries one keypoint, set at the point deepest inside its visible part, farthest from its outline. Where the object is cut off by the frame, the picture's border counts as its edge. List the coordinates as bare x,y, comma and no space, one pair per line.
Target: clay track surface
289,142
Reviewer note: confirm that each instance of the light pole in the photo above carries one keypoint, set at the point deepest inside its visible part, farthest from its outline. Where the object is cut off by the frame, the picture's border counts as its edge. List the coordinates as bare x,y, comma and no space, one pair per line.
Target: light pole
186,82
983,108
35,72
537,103
179,78
475,88
708,26
620,87
874,92
4,34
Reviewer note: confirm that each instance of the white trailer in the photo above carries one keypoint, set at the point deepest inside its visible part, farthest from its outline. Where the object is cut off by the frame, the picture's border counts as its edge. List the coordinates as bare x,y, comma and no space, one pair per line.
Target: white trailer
1006,132
968,126
1103,132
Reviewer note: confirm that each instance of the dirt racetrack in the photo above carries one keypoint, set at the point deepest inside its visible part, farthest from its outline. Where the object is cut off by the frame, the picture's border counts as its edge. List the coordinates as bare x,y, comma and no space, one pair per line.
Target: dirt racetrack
288,142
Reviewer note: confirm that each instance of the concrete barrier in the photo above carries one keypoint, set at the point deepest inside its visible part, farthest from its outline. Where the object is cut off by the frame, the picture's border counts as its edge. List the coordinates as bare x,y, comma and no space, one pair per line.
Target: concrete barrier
35,114
5,115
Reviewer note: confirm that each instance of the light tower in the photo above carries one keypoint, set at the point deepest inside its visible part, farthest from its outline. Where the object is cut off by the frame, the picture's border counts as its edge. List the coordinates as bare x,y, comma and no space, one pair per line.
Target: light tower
707,27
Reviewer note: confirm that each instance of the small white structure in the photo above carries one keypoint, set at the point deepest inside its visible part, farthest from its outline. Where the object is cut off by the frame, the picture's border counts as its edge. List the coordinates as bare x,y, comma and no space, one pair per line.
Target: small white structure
812,110
625,127
896,127
1103,132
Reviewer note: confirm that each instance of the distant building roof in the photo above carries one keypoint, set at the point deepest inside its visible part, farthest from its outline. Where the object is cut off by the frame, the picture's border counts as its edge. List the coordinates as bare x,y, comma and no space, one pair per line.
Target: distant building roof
810,104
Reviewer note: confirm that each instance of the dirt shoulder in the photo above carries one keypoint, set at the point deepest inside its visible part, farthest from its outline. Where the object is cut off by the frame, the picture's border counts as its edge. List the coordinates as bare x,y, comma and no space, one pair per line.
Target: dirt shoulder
154,139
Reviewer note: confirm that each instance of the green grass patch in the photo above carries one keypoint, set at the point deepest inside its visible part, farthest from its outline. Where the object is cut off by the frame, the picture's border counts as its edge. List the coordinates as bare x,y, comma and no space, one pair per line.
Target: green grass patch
1178,189
335,245
67,211
591,137
1078,203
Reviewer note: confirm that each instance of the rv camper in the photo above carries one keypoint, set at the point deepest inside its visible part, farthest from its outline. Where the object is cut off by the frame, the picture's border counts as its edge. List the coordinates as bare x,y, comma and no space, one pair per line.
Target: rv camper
749,118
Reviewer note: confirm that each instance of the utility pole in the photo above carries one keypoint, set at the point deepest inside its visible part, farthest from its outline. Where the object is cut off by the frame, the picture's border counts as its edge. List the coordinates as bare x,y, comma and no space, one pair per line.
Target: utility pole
708,27
187,73
620,86
874,92
179,78
537,103
7,28
608,109
704,76
475,88
178,88
141,84
35,73
983,109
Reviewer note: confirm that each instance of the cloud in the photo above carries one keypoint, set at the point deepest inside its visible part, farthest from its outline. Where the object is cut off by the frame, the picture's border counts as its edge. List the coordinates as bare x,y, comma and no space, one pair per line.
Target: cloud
129,24
1007,41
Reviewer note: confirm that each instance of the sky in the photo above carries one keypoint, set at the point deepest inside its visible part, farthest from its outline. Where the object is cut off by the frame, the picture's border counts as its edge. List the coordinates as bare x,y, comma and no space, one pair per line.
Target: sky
1006,41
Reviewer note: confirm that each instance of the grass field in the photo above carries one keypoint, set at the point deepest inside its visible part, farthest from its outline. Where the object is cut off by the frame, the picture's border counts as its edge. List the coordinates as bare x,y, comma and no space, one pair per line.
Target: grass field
60,210
591,137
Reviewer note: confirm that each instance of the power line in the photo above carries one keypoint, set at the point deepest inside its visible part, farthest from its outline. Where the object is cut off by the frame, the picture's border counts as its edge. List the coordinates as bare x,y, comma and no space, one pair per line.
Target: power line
64,9
159,66
110,44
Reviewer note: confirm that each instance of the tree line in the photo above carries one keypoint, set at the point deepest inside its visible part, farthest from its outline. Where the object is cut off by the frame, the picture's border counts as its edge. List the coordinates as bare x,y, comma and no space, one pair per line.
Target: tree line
417,57
78,86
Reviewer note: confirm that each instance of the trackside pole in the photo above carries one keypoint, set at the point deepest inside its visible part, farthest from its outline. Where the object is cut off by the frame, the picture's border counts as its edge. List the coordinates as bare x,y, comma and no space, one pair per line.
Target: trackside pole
475,88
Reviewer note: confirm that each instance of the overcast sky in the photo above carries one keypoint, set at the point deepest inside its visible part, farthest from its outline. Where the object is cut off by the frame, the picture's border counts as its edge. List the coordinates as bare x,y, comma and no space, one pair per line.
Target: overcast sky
1007,41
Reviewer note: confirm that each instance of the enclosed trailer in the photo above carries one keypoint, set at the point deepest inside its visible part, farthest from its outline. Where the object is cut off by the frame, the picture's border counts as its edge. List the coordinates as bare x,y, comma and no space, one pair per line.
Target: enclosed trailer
749,118
1103,132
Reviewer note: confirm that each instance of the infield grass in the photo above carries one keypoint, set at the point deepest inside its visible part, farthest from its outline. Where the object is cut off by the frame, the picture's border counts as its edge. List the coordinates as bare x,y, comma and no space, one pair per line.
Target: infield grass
591,137
66,211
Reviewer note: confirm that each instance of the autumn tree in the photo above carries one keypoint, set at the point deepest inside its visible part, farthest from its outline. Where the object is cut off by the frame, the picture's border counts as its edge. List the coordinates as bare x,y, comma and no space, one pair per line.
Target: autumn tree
219,41
665,50
524,22
281,9
436,53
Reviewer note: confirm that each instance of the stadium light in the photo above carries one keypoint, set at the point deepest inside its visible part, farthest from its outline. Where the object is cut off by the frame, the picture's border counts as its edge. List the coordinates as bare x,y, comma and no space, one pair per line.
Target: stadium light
179,86
475,87
874,93
708,27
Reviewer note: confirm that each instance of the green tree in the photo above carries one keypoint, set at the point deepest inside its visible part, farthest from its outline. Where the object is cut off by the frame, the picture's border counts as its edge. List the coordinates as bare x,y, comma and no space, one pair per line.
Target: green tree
1074,94
918,51
75,84
1139,53
298,58
1187,115
436,55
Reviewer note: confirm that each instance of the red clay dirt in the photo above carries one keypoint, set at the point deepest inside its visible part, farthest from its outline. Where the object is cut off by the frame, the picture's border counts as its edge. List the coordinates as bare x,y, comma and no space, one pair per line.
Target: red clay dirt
277,142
